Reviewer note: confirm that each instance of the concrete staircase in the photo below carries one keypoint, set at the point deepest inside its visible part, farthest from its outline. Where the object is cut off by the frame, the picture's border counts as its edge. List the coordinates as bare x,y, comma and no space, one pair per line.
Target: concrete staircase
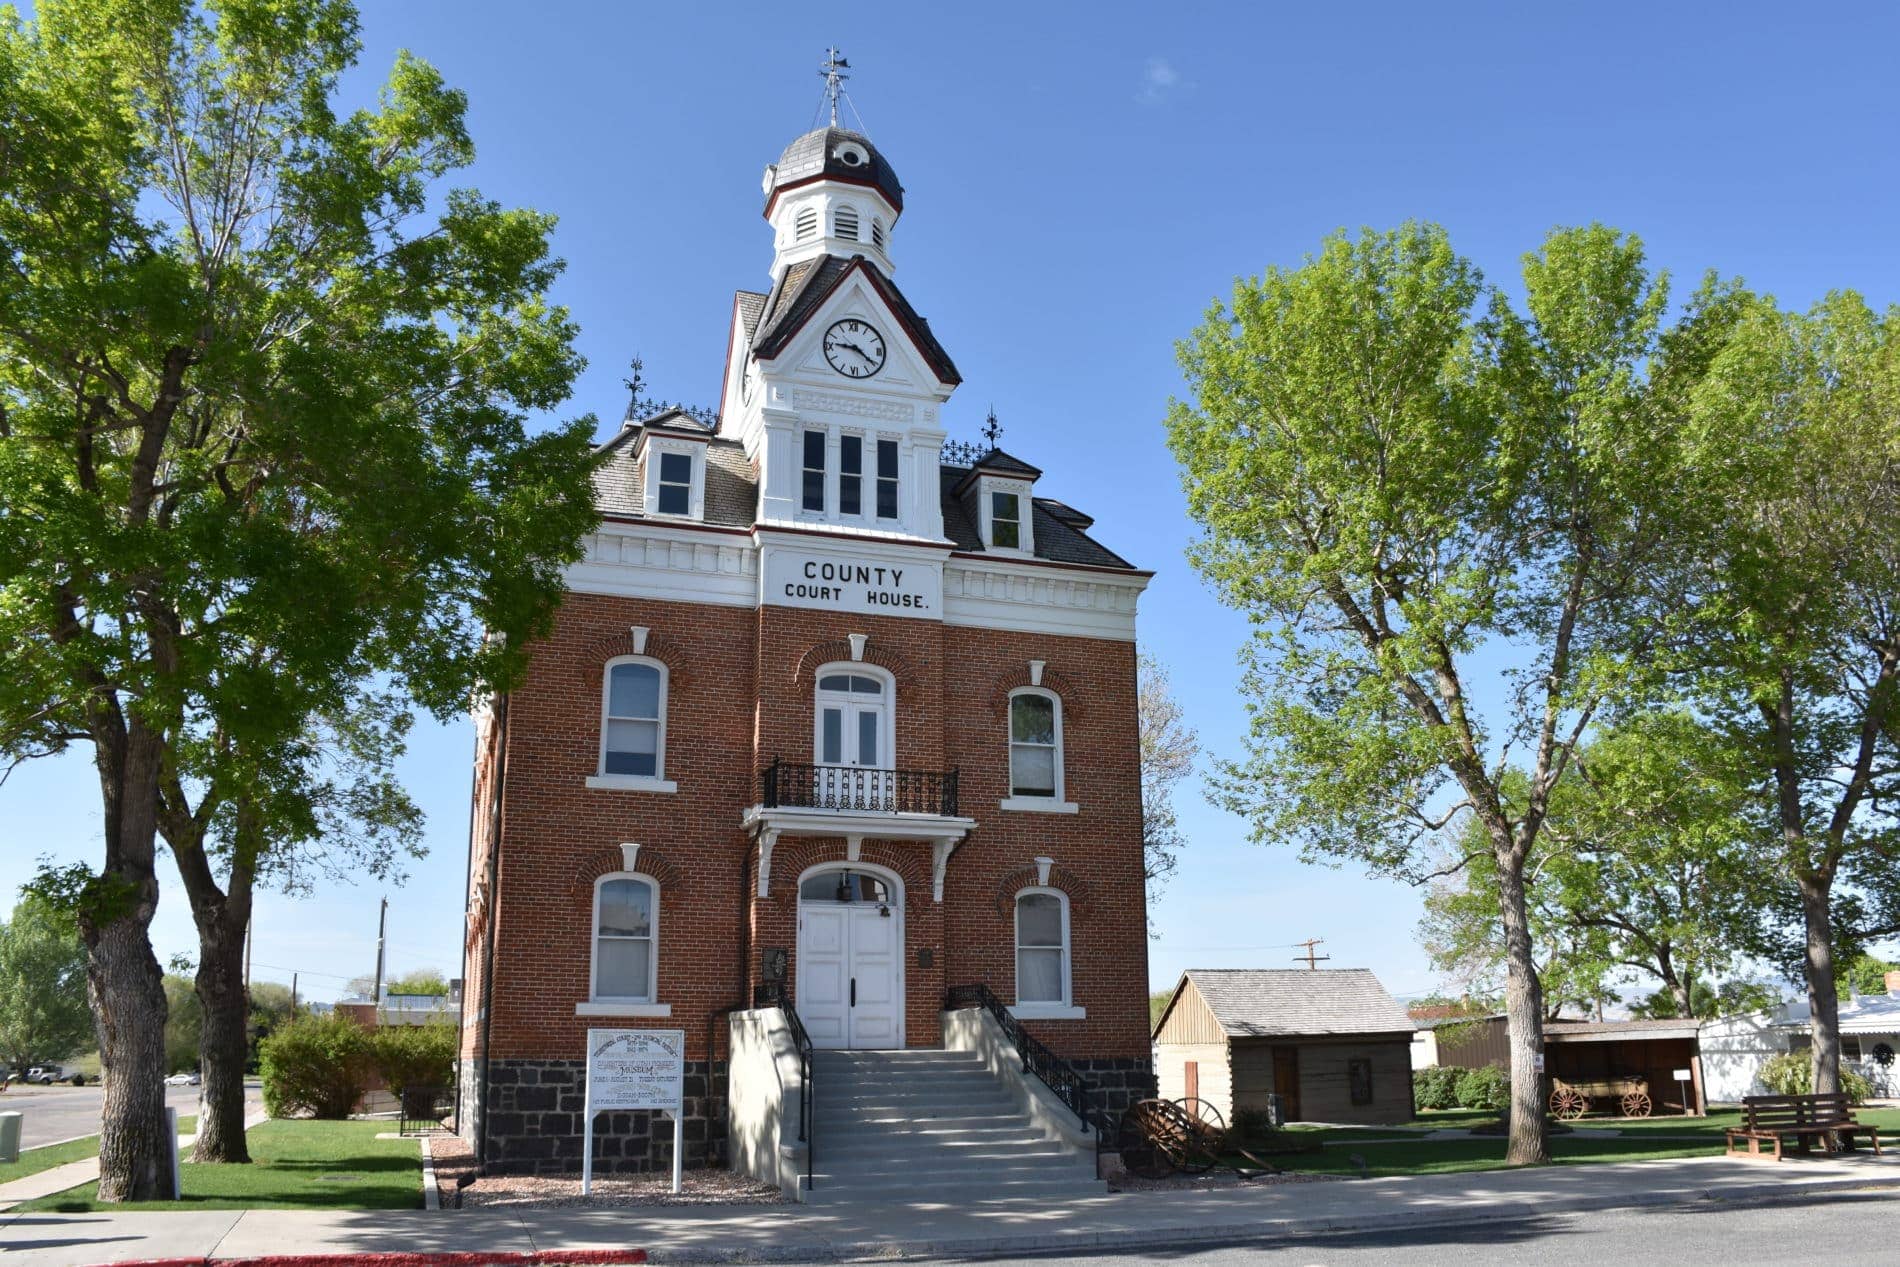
929,1125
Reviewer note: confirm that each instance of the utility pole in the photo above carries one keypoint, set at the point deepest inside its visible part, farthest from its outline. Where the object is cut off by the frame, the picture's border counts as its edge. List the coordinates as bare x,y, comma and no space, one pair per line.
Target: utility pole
293,996
1311,960
382,927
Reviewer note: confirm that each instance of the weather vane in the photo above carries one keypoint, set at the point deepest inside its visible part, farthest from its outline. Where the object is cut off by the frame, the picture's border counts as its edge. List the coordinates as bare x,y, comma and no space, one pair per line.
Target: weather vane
992,429
834,75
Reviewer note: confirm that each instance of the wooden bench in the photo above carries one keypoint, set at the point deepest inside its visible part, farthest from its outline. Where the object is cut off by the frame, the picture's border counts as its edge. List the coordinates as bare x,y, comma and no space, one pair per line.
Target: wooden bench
1772,1118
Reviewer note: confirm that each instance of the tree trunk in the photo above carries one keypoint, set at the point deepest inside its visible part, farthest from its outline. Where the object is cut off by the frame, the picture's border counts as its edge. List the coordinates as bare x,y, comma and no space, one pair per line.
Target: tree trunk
1824,1002
224,1043
123,982
1524,1013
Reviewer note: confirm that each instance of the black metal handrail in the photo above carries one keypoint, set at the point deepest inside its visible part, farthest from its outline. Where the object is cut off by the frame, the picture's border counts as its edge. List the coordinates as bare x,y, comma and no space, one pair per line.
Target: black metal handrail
857,789
1056,1073
773,994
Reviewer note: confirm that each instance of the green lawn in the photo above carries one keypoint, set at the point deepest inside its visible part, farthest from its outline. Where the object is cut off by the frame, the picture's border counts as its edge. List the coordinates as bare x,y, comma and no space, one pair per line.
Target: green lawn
295,1165
34,1160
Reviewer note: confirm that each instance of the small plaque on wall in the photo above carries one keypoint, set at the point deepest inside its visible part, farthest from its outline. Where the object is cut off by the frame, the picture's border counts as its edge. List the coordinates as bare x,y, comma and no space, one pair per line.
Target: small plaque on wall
925,956
774,960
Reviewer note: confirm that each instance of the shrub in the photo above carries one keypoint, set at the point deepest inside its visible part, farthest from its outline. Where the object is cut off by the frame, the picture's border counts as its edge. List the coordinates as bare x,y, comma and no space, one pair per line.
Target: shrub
1436,1087
315,1065
1486,1088
414,1055
1252,1124
1791,1074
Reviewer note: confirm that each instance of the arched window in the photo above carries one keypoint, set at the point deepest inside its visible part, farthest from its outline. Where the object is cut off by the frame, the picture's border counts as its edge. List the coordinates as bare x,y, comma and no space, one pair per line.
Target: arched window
626,939
844,222
852,717
1035,744
633,719
877,233
1042,948
805,224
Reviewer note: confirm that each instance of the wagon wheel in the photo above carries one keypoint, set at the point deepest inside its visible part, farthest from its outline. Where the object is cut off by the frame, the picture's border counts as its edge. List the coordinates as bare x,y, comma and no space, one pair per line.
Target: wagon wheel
1206,1135
1568,1103
1635,1104
1151,1138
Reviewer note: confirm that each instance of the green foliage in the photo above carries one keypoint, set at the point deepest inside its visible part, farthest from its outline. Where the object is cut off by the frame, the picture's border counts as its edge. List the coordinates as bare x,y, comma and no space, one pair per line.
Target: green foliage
43,1012
1792,1073
315,1066
1436,1087
184,1024
1486,1088
414,1055
270,1007
424,981
1865,973
1157,1004
1253,1124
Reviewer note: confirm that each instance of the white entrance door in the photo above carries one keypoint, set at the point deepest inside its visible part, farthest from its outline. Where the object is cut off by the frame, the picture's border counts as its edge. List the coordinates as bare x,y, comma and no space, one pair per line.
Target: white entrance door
850,992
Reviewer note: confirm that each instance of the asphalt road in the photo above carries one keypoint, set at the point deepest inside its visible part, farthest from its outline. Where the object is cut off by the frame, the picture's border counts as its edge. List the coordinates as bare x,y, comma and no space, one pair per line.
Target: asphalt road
51,1114
1845,1230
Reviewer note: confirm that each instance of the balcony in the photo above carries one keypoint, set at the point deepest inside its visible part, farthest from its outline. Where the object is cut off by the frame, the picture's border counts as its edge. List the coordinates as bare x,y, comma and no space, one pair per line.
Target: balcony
850,789
857,803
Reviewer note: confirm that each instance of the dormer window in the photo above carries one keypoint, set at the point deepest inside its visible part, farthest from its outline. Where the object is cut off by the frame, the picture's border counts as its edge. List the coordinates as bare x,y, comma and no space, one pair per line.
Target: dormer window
676,483
851,154
845,223
805,226
1006,520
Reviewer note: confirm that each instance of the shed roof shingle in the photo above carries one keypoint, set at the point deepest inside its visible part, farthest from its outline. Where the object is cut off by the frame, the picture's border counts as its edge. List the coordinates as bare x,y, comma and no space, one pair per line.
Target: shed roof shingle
1269,1002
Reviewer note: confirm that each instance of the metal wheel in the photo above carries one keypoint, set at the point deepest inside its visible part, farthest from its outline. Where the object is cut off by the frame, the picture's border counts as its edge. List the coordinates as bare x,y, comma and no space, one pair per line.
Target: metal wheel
1568,1104
1151,1138
1206,1137
1636,1104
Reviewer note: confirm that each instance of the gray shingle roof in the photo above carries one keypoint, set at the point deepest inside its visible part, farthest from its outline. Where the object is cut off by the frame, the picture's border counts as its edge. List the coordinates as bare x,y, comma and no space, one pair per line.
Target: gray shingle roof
808,283
1056,539
751,307
816,154
1269,1002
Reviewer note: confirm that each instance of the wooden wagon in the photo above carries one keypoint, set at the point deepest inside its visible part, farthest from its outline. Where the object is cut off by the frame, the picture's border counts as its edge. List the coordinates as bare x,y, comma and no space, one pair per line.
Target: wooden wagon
1571,1100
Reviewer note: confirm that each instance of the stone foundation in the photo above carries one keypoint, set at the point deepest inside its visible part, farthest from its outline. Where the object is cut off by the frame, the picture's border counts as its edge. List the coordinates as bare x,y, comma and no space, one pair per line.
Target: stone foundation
1118,1083
536,1122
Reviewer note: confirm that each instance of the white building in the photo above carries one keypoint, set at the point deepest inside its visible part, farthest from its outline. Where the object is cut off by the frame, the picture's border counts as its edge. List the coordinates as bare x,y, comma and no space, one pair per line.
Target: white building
1734,1048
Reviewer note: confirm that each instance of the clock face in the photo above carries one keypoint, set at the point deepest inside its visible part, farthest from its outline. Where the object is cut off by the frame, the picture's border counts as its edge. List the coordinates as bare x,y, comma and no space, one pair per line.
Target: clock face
854,349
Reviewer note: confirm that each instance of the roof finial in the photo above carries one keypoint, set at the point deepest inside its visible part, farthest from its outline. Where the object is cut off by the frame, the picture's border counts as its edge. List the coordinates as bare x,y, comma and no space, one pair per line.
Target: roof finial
834,75
992,429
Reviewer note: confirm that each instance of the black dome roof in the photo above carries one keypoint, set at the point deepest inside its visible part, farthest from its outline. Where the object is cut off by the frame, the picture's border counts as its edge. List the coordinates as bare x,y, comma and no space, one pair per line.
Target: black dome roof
840,153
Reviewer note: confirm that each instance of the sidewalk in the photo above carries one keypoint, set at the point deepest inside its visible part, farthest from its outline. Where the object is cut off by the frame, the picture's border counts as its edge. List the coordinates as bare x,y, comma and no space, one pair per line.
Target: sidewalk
920,1229
73,1173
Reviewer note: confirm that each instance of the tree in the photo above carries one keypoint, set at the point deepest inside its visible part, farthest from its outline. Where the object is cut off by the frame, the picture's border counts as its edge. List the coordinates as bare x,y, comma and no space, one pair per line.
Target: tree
1168,748
422,981
263,398
184,1025
1866,974
1394,490
1794,576
43,1013
270,1008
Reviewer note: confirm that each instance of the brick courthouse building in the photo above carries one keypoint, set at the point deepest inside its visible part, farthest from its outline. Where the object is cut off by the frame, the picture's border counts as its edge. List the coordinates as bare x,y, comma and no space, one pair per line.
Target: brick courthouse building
823,712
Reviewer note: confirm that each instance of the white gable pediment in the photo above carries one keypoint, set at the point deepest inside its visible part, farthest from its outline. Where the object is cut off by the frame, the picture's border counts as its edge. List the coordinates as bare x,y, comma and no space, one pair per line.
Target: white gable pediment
904,371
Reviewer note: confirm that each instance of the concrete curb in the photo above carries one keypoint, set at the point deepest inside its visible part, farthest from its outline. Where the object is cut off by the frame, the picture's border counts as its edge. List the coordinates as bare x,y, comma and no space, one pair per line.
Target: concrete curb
431,1194
1124,1239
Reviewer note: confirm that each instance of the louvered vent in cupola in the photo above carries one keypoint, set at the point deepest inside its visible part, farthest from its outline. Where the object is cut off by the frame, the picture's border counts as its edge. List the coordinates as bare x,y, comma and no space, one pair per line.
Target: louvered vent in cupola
845,222
805,227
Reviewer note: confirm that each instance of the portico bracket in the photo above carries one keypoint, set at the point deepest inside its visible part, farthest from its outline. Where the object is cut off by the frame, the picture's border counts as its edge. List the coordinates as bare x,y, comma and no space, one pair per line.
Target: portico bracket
940,851
767,839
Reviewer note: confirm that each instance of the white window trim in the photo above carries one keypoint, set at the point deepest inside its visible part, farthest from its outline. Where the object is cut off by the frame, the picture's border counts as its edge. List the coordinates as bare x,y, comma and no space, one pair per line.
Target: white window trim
830,472
887,733
867,458
1064,1009
1023,491
595,1004
694,452
657,781
1057,804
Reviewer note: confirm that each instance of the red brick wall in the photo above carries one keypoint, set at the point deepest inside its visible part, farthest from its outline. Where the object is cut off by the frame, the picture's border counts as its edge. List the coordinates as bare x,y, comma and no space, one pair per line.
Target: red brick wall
739,693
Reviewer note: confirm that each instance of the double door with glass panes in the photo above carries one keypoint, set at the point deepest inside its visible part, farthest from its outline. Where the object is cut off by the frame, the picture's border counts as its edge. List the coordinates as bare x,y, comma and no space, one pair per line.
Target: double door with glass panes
853,744
850,953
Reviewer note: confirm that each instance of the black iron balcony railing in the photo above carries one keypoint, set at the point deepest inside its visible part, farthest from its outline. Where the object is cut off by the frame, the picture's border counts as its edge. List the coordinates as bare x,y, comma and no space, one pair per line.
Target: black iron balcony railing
858,789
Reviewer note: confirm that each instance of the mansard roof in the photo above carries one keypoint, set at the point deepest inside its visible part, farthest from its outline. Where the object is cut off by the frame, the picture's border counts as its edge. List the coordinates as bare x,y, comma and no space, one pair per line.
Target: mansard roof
832,154
808,283
732,499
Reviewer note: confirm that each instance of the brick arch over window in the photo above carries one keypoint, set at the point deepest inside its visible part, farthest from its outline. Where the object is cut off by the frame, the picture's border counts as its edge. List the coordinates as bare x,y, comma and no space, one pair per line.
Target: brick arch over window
1053,681
652,861
793,856
838,651
659,647
1080,893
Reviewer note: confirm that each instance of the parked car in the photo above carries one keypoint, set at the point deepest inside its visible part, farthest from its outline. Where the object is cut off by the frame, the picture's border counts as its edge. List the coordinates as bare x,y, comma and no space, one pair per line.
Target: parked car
47,1075
191,1079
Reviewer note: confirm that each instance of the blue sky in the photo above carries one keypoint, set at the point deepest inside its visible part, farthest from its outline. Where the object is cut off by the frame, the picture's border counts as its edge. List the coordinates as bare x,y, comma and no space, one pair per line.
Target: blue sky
1081,181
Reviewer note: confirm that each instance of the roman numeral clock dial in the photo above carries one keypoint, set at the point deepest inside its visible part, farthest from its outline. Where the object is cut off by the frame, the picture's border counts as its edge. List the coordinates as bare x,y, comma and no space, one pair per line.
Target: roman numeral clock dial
854,349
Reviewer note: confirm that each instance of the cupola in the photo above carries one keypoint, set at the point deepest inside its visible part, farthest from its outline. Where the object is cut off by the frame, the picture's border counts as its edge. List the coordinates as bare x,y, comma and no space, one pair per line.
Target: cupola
831,193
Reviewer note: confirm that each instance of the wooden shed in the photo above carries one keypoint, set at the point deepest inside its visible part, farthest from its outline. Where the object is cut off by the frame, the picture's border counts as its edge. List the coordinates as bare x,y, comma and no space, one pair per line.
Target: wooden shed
1331,1043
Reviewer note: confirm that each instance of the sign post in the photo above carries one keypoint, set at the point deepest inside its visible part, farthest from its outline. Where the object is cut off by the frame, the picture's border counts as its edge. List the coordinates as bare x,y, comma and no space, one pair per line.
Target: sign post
634,1069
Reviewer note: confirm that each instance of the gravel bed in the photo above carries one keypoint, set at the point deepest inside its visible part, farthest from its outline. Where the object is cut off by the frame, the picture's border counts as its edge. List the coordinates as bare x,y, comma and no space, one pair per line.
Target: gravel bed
454,1160
1213,1179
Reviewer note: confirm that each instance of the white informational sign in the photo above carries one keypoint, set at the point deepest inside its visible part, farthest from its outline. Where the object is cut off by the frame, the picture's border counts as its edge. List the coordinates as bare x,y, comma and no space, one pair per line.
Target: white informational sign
634,1069
1683,1075
845,579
